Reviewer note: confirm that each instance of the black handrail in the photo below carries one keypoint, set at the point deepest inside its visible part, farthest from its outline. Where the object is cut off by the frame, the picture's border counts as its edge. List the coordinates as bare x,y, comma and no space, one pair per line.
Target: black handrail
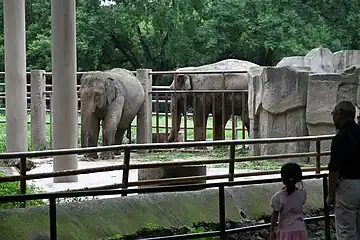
222,233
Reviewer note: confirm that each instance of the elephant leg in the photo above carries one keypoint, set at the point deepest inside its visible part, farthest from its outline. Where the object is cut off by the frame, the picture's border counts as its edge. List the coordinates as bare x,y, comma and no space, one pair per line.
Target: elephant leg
219,126
90,134
200,126
111,122
176,113
246,122
119,136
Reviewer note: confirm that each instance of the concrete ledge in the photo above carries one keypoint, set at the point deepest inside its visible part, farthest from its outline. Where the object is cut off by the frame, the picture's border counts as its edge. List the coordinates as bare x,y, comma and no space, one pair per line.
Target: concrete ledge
106,217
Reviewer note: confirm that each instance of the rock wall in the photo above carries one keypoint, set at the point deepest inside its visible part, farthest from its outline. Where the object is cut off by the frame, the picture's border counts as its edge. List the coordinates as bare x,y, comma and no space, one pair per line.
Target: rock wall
278,107
296,97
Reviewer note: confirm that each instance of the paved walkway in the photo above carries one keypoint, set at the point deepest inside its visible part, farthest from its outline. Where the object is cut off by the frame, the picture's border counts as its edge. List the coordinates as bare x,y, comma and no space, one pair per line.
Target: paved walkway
113,177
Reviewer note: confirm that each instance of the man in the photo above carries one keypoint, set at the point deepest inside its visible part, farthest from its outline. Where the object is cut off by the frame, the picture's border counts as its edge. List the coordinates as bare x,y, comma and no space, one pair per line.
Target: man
344,172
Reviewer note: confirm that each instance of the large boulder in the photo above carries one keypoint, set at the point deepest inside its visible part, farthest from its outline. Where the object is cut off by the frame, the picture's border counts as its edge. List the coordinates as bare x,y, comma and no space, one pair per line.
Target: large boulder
296,97
324,91
322,60
321,99
346,58
277,108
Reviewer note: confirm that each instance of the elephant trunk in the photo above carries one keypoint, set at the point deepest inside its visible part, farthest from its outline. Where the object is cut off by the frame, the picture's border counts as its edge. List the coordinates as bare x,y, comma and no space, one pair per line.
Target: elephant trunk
86,135
89,122
89,132
176,109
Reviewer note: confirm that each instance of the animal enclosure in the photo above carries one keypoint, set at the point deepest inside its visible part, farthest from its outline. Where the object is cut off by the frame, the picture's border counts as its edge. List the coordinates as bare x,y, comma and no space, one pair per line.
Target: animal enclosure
162,120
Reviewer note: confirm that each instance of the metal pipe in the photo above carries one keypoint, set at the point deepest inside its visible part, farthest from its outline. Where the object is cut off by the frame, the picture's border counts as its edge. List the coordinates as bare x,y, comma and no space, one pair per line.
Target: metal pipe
326,209
125,177
34,154
52,217
222,213
194,72
176,188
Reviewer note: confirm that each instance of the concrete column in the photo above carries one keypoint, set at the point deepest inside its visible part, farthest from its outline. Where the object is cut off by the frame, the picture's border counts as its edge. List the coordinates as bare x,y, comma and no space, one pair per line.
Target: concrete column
38,110
15,76
64,85
144,117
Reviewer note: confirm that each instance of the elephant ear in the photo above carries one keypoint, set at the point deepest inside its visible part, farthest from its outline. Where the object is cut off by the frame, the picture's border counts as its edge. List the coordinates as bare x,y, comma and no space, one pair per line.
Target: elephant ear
180,81
110,90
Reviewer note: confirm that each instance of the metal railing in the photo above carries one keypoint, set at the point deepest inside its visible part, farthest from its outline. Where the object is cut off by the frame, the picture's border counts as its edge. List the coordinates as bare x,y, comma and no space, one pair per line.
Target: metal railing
222,232
126,166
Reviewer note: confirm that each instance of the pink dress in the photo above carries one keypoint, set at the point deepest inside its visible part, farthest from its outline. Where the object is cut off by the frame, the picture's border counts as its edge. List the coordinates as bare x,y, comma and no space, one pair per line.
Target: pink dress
291,222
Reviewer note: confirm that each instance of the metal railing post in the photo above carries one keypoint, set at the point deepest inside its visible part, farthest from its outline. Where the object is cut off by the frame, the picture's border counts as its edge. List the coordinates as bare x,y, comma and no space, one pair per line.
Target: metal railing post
125,177
318,156
232,163
51,121
52,214
22,178
326,209
222,212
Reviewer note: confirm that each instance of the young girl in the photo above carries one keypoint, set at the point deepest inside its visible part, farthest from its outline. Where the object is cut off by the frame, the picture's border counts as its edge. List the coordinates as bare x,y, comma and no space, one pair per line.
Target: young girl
287,205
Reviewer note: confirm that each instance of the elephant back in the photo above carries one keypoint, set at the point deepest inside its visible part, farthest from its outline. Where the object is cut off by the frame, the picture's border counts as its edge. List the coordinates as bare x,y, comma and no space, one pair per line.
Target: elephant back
122,72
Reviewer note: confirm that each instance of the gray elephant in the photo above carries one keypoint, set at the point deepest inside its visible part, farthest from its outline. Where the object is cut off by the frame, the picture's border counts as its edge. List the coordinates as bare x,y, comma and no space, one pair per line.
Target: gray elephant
113,97
231,81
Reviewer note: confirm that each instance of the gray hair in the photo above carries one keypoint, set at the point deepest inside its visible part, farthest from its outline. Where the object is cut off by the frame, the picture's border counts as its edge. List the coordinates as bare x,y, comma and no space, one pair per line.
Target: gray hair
345,108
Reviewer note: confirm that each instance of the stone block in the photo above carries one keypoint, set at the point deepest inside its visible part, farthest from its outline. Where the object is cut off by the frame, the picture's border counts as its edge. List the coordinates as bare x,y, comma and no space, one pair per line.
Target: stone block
294,61
321,99
346,58
321,60
277,108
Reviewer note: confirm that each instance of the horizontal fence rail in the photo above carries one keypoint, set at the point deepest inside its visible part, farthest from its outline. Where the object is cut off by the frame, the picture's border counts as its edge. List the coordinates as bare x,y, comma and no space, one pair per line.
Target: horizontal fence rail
222,232
126,166
149,146
198,132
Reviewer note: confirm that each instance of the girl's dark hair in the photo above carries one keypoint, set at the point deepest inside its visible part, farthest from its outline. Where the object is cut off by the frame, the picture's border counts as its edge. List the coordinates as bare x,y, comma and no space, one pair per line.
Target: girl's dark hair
291,174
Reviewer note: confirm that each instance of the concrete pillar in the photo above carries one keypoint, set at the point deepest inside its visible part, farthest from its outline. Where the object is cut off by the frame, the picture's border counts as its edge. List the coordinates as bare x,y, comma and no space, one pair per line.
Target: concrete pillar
38,110
144,117
15,76
64,85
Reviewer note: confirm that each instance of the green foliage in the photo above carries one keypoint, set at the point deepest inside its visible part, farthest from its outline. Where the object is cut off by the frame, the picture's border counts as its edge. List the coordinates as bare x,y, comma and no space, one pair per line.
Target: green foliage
167,34
12,188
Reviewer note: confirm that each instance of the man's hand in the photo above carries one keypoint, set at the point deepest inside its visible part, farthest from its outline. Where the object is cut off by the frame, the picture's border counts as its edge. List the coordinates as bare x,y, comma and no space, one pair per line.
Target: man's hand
272,235
330,201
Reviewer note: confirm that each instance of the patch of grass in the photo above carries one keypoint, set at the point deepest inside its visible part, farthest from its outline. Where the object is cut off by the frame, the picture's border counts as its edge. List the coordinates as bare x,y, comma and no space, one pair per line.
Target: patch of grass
161,119
12,188
222,153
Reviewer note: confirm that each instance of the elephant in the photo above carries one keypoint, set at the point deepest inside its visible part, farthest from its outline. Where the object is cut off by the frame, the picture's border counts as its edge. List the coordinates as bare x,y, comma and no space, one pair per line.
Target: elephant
231,81
113,97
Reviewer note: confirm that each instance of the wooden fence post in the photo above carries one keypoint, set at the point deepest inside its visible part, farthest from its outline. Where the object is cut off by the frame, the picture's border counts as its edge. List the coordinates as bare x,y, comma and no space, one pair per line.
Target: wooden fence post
38,110
144,117
51,121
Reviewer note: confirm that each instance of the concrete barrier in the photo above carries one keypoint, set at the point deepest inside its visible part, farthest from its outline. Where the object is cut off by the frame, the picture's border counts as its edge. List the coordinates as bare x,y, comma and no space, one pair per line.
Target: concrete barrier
107,217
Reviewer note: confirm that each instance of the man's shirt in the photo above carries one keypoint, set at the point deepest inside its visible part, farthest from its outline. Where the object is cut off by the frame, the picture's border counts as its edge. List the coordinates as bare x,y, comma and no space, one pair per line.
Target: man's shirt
345,152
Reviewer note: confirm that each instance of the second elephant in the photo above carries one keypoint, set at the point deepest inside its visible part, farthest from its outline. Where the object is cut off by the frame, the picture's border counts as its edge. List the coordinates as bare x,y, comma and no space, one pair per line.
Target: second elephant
113,97
228,81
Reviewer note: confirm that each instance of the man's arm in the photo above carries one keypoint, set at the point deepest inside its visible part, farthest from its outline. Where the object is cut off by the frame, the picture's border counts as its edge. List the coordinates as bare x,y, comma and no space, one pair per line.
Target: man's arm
334,166
333,178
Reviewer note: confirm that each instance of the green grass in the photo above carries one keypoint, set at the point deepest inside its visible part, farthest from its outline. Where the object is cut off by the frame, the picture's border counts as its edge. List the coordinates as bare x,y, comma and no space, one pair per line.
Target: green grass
12,188
162,121
223,153
172,155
